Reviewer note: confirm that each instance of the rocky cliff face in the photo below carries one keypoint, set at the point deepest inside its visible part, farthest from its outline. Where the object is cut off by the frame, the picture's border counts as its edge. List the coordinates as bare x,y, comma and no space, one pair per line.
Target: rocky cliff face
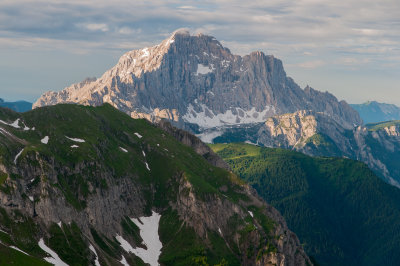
303,130
85,182
197,83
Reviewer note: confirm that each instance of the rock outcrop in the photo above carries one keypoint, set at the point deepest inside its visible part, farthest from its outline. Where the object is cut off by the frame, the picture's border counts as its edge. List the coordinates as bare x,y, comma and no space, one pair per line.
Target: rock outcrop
305,129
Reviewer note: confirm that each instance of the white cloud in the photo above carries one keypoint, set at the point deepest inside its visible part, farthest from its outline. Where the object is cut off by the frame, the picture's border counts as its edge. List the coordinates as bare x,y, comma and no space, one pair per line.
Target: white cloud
312,64
187,7
352,61
348,33
129,31
95,26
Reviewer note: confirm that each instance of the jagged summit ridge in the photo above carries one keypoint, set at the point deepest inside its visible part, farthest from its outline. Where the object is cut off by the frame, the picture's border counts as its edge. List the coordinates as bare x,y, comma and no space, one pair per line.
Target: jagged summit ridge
197,83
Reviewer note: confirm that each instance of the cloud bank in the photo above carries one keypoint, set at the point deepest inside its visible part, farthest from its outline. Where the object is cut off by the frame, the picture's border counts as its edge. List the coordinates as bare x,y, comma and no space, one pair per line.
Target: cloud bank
361,37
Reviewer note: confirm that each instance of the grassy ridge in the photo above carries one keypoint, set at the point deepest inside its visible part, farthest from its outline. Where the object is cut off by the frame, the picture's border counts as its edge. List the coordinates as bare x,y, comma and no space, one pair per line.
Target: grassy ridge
99,163
339,209
9,256
381,125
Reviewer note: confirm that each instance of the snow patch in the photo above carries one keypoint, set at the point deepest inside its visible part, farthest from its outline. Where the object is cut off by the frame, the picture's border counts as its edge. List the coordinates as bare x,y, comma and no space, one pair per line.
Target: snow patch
3,232
202,69
74,146
251,213
45,140
144,154
16,157
13,247
219,230
145,52
206,118
123,261
252,143
225,63
149,233
59,224
25,127
96,262
138,135
147,166
14,124
54,259
31,198
75,139
209,136
124,244
124,150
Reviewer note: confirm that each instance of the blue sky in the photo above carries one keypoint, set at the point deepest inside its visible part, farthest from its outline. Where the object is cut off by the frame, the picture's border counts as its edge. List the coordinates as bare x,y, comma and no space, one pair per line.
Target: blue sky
349,48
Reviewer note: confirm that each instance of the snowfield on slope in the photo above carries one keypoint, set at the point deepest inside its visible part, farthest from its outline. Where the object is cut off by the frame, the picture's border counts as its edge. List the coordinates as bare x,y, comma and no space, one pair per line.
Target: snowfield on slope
206,118
123,261
54,259
75,139
13,247
204,70
14,124
45,140
96,262
16,156
149,233
209,136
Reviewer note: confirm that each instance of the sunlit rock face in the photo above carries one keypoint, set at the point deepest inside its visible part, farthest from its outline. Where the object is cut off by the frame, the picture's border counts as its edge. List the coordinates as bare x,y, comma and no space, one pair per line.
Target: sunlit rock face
194,80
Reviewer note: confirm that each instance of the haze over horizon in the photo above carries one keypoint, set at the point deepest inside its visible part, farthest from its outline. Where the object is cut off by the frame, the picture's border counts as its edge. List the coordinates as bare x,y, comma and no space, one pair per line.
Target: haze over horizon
349,49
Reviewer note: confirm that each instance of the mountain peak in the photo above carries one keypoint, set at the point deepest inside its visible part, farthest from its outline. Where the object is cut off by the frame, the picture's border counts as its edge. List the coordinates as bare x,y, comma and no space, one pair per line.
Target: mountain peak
181,31
196,82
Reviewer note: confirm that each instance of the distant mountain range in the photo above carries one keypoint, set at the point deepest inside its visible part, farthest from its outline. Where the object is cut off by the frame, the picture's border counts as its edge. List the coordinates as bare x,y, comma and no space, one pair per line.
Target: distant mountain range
340,210
18,106
374,112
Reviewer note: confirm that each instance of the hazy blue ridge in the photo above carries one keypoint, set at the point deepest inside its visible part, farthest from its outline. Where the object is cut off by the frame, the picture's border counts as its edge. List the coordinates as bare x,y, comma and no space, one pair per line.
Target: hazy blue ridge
18,106
373,112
